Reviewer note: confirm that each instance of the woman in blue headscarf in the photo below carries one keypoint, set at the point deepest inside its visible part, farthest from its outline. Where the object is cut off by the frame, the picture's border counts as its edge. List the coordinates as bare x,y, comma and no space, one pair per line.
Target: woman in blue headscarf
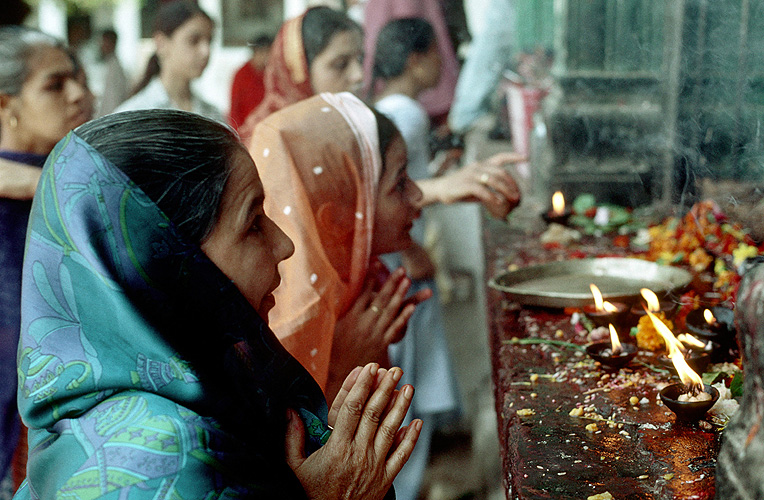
146,368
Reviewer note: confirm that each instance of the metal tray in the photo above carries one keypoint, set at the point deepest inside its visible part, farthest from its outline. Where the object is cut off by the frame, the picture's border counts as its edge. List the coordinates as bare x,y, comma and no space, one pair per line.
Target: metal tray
566,283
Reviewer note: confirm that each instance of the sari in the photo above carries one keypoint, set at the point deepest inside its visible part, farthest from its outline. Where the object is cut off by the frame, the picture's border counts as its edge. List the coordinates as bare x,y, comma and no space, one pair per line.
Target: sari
287,76
129,333
320,165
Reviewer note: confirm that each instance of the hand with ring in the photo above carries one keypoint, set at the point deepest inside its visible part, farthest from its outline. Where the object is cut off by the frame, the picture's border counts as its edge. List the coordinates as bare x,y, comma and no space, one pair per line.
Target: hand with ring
487,182
374,321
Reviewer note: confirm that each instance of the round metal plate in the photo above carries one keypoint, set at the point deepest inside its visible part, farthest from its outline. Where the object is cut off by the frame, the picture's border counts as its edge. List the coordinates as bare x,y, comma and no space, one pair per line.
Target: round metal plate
566,283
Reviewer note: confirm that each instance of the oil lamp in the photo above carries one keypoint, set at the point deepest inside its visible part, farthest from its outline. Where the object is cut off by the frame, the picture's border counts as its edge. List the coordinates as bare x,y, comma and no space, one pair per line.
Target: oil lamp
716,324
652,304
603,312
690,399
696,344
559,213
612,354
697,360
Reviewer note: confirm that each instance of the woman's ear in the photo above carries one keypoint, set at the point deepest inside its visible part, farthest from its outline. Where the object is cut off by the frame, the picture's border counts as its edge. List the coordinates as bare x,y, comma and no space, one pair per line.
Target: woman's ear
160,42
7,107
5,102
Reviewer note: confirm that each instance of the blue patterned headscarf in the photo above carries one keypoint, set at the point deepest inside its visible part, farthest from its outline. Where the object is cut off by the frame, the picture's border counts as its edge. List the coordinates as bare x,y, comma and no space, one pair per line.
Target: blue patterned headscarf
143,371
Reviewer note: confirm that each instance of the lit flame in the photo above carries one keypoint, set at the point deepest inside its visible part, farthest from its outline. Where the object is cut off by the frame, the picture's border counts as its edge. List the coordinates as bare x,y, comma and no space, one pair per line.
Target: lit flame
558,203
614,342
688,339
653,305
690,379
608,307
597,296
710,319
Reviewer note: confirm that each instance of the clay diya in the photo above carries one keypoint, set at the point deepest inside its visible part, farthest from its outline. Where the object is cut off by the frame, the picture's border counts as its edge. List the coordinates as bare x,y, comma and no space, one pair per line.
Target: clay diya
690,399
612,354
694,344
686,405
716,324
602,312
559,214
696,360
652,304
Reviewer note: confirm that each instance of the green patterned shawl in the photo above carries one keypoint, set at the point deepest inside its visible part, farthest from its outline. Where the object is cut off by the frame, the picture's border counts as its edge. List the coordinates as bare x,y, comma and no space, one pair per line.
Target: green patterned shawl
132,354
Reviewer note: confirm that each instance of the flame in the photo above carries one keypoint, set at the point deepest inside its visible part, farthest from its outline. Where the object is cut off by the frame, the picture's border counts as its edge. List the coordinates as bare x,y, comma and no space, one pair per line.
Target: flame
653,305
558,203
597,296
690,379
616,344
608,307
686,338
709,316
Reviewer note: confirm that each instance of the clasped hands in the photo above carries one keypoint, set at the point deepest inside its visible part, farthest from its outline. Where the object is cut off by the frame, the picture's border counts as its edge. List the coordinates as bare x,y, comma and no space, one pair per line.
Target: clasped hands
368,446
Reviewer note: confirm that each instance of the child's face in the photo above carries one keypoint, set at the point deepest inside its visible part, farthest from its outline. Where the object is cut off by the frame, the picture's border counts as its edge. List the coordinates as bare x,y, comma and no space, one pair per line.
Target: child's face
397,203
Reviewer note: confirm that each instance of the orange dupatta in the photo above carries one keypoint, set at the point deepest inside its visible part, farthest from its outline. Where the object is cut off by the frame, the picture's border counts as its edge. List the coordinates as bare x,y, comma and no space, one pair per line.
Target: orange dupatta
320,165
287,77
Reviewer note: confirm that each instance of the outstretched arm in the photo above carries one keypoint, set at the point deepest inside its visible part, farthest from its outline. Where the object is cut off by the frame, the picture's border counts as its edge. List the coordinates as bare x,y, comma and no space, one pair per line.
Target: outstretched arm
486,181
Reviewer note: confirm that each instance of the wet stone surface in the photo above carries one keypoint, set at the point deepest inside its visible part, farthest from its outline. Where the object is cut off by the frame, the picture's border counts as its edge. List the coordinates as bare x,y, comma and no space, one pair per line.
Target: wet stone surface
570,428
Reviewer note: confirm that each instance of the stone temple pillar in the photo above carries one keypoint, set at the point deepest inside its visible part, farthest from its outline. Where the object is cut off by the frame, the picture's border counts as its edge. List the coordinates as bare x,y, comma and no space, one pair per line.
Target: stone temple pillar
741,459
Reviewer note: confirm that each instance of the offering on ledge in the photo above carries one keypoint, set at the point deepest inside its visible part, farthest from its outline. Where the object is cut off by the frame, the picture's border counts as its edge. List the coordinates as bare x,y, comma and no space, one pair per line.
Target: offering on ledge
559,213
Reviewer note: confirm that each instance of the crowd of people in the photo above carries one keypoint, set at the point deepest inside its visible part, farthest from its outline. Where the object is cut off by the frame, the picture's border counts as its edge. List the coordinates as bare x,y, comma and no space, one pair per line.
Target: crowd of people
210,306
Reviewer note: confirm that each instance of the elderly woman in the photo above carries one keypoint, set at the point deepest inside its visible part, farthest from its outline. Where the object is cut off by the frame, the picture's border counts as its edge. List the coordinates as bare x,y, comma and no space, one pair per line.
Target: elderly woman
43,95
147,369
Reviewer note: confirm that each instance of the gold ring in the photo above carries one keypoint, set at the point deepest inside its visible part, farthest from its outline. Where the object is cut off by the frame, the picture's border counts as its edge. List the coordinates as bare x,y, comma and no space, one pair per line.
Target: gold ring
484,179
374,308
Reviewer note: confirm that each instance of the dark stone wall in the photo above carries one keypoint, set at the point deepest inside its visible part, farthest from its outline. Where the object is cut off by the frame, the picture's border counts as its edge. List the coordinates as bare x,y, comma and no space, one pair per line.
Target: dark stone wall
740,466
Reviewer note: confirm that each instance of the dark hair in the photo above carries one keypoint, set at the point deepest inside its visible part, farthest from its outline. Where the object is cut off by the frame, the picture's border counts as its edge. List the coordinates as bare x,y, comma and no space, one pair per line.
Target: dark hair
109,34
397,40
171,16
386,132
180,160
319,25
261,42
17,46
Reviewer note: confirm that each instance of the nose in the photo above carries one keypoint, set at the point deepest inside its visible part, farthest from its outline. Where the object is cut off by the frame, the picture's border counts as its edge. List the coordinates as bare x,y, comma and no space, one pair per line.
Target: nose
415,194
205,48
76,90
355,73
284,247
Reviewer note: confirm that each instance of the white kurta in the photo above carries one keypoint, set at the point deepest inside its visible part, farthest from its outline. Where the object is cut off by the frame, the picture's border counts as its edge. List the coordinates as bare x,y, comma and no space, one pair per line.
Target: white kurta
154,96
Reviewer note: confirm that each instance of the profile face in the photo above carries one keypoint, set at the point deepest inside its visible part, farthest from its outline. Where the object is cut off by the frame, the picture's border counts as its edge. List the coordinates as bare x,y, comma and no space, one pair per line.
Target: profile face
53,100
246,244
187,51
339,67
397,203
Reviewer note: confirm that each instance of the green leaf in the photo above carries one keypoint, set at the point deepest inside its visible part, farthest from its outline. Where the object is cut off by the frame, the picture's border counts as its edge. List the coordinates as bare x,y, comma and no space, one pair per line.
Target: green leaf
584,202
713,377
736,386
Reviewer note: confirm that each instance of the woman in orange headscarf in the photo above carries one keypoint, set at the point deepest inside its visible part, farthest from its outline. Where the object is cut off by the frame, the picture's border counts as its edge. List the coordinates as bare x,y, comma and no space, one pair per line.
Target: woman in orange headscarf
318,51
334,176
